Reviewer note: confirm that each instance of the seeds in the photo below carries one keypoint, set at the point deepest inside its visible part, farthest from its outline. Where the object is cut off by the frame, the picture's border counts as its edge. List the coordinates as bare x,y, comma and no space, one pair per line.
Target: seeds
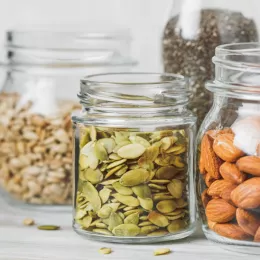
28,222
122,186
105,250
48,227
162,251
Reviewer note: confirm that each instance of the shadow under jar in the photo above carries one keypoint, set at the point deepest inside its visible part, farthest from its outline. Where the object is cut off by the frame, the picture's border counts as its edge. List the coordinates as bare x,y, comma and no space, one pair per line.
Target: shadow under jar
134,159
228,155
38,97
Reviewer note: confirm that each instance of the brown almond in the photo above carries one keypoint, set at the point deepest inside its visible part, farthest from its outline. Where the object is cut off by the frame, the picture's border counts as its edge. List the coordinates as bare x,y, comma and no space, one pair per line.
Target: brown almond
202,168
223,146
247,221
247,194
212,163
220,211
257,235
232,231
249,164
205,198
230,172
218,186
209,180
226,193
211,224
214,133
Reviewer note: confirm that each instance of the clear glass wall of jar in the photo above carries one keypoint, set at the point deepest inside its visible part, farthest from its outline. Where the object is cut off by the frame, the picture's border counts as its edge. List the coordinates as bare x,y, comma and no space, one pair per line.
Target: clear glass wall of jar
195,28
134,159
39,94
228,172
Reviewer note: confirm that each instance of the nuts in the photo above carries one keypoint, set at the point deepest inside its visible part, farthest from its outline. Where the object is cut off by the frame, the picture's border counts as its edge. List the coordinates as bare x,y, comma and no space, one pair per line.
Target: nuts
231,201
132,183
105,251
35,153
161,251
223,146
220,211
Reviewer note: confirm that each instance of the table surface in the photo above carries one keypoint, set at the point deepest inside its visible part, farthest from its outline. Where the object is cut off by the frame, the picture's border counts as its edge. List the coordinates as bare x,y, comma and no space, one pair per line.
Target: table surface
19,242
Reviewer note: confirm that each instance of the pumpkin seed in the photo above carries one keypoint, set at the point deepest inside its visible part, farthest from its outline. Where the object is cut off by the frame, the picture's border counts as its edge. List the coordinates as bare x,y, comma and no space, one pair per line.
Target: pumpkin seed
165,160
93,176
114,221
120,145
122,189
116,163
166,172
121,137
120,172
104,212
131,151
140,211
166,206
176,225
93,133
95,222
158,197
139,140
145,223
86,221
143,218
105,251
177,161
80,214
176,212
92,194
181,203
156,186
148,229
176,217
114,156
143,191
92,161
160,181
104,195
83,161
132,219
128,208
147,203
84,139
158,233
109,182
126,230
175,187
102,231
158,219
113,170
134,177
127,200
161,251
108,143
48,227
88,148
121,214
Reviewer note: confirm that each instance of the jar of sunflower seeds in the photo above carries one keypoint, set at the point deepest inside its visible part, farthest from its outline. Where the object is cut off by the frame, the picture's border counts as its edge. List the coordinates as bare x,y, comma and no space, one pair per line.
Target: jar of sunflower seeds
38,97
133,158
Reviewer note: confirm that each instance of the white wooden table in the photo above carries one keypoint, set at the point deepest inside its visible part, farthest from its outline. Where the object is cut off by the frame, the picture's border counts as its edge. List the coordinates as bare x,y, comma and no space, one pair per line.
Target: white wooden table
19,242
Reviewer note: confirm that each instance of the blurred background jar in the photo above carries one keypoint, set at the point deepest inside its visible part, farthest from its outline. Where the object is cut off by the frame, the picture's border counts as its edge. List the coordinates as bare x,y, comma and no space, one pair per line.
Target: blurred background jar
228,159
194,30
134,158
43,72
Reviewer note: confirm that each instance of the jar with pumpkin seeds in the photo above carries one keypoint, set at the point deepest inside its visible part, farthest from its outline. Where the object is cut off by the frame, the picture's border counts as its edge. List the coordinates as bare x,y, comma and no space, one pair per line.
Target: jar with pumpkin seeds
133,158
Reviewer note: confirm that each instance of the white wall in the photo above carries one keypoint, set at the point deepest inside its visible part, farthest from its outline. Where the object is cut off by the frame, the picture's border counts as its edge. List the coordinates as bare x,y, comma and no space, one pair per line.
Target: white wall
145,18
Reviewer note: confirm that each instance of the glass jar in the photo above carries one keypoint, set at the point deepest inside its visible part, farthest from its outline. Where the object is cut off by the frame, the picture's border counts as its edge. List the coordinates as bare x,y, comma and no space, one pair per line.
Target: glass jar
36,103
228,165
133,160
194,30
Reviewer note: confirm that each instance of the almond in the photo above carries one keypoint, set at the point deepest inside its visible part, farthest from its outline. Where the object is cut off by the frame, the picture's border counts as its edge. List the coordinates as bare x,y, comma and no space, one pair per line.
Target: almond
257,235
226,193
223,146
214,133
202,168
211,224
211,161
230,172
205,198
249,164
247,221
247,194
232,231
209,180
217,187
220,211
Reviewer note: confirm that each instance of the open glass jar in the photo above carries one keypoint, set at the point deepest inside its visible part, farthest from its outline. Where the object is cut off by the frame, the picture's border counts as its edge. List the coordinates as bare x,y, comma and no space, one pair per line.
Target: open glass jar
195,28
36,103
228,169
134,158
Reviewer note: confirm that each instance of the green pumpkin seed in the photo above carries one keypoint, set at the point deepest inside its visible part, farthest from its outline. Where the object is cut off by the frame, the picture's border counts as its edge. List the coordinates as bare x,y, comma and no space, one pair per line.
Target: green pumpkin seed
105,221
80,214
178,162
114,206
166,172
105,251
140,211
93,133
95,222
146,204
143,191
122,189
120,145
86,221
114,221
128,208
158,233
166,206
126,230
176,225
158,197
92,194
108,143
132,219
127,200
161,251
121,136
104,195
167,142
109,182
92,161
160,181
121,214
181,203
145,223
143,218
93,176
88,148
165,160
105,211
139,140
116,163
158,219
134,177
83,162
176,217
156,186
84,138
131,151
148,229
113,170
123,170
48,227
100,152
175,187
175,212
102,231
114,156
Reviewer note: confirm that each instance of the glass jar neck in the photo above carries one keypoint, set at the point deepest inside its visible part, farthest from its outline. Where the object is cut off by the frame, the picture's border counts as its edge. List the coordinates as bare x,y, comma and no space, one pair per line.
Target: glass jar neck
237,71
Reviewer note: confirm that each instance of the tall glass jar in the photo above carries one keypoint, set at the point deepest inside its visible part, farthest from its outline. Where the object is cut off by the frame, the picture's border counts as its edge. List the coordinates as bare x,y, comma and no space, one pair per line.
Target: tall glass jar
133,158
38,97
228,172
194,30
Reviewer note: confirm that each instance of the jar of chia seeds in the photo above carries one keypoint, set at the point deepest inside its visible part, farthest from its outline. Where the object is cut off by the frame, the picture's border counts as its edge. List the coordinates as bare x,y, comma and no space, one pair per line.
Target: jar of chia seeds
36,102
195,28
133,158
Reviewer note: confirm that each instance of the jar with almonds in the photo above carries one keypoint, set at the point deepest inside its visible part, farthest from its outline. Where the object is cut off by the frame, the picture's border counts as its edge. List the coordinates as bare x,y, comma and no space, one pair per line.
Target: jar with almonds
134,158
39,95
228,155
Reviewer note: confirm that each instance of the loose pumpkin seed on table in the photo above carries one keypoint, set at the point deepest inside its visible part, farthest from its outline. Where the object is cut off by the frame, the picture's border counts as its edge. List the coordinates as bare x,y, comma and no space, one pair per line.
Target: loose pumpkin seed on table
132,183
